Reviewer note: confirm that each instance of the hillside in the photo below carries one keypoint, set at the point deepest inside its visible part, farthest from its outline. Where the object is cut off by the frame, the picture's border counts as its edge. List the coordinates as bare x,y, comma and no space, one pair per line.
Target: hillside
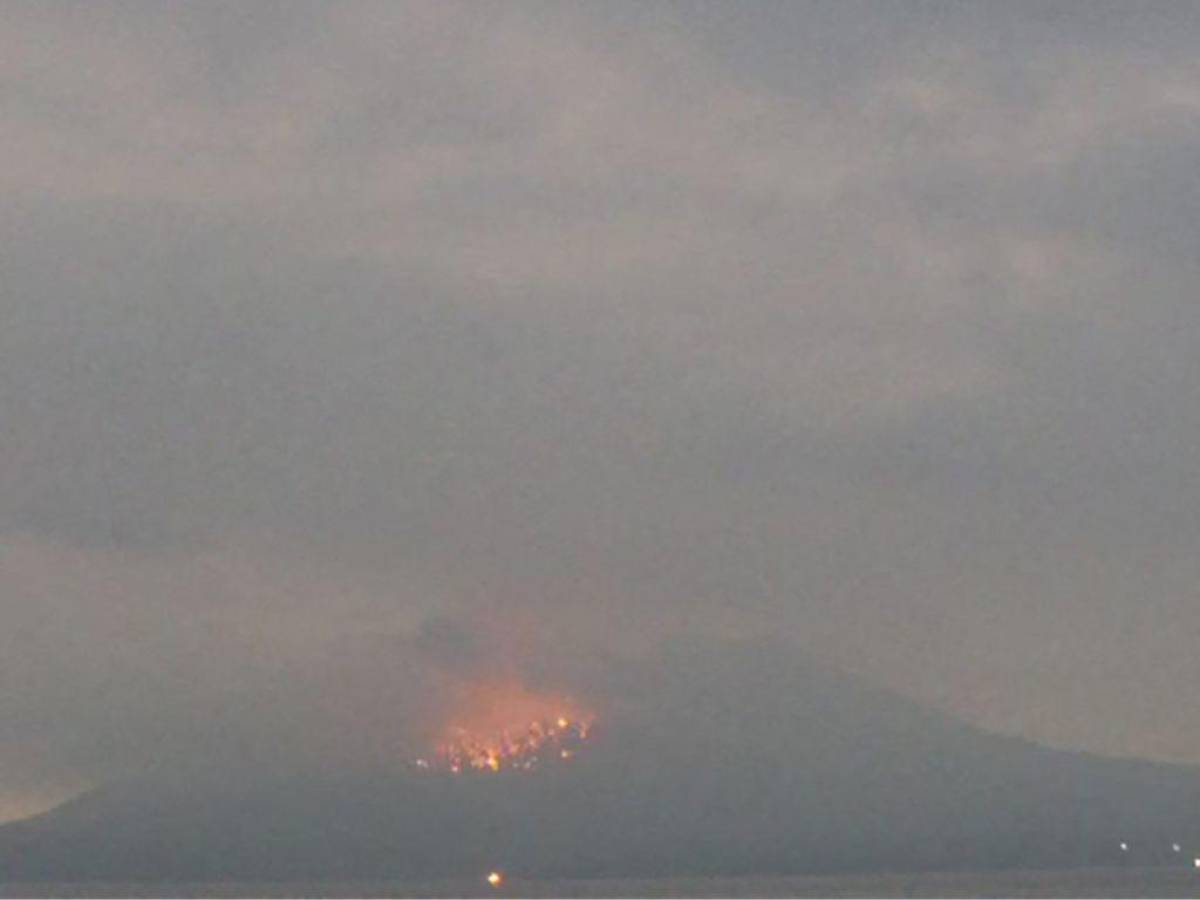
709,761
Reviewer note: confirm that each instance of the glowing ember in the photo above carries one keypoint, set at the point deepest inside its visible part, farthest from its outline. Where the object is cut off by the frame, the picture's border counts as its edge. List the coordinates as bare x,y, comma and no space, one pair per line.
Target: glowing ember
495,879
507,727
521,750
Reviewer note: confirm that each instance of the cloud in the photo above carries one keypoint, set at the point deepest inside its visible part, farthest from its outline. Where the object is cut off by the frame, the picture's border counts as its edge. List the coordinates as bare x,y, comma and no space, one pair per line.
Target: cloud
326,324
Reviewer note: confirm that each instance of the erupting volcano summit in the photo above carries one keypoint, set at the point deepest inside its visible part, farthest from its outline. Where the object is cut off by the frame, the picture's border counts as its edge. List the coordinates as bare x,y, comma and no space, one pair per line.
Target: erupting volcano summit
540,743
510,728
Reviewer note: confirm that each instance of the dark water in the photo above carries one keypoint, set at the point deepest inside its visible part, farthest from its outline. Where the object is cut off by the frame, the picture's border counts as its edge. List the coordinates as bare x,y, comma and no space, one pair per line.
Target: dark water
1127,882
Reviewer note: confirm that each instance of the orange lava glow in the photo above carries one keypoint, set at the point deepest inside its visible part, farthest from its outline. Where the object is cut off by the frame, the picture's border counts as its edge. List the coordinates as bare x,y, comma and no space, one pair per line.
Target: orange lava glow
507,727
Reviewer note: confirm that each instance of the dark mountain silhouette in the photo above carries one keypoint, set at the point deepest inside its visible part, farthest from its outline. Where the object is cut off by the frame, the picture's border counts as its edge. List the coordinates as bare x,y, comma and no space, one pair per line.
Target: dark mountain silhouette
709,760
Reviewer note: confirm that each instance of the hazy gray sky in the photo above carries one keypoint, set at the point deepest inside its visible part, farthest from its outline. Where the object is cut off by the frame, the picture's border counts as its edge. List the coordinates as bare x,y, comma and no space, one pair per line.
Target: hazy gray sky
347,349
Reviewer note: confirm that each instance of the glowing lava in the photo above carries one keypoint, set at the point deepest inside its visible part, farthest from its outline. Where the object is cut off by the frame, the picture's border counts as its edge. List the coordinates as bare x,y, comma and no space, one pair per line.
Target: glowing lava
510,728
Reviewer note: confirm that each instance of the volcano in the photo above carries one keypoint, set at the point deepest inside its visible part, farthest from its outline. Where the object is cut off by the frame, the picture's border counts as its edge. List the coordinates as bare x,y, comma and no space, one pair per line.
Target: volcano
708,759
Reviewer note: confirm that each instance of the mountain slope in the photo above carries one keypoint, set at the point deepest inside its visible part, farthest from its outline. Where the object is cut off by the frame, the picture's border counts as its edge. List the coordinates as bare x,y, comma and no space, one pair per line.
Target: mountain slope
710,760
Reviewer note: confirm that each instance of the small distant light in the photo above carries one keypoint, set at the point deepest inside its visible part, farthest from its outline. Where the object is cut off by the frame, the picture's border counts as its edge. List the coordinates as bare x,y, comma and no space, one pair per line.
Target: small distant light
563,722
495,879
565,754
1176,847
1124,847
1196,862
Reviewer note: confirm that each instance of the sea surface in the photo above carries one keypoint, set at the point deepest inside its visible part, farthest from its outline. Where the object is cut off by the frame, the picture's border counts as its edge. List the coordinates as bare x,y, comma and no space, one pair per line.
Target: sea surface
1123,882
